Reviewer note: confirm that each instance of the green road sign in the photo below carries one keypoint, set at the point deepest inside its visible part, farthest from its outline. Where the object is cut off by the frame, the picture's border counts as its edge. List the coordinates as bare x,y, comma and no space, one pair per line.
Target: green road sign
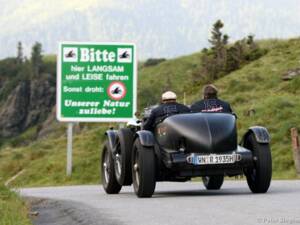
96,82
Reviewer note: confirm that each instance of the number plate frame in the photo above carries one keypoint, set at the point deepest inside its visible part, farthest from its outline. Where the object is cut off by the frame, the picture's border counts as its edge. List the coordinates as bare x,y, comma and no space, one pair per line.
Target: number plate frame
213,159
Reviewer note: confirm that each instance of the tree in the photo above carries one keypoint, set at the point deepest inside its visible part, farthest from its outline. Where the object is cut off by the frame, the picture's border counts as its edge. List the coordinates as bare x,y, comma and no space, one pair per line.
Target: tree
250,42
233,61
239,54
209,70
25,72
222,59
20,53
216,39
219,42
36,58
225,39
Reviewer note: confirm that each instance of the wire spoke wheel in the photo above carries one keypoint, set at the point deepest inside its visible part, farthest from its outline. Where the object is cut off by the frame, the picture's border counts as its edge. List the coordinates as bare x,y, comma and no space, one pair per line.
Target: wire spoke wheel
109,182
143,170
136,169
118,164
105,166
122,156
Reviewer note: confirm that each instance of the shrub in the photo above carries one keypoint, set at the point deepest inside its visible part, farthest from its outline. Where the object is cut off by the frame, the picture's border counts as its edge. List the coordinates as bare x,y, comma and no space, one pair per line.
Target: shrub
153,62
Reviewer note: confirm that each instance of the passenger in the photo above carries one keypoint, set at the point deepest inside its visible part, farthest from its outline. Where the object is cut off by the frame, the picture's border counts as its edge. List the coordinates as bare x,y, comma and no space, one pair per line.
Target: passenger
210,102
168,108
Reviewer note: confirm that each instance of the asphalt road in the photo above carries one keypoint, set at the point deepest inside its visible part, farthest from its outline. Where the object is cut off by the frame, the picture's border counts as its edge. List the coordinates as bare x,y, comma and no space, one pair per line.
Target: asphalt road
176,204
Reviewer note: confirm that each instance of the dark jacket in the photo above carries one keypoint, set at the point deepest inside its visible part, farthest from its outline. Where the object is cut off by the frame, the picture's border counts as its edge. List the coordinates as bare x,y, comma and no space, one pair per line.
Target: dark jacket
163,111
211,105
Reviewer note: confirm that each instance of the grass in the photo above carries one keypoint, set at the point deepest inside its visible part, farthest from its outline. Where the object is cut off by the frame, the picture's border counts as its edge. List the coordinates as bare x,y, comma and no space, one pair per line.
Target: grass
13,211
44,161
175,74
257,86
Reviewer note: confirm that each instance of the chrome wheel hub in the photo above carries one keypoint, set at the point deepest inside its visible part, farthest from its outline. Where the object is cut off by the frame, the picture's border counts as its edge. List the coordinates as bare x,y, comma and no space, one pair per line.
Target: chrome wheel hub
136,173
118,165
106,167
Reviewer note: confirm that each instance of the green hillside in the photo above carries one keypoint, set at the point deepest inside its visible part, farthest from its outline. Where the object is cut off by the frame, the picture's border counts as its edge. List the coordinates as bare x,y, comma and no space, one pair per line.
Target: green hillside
44,161
256,87
259,86
175,74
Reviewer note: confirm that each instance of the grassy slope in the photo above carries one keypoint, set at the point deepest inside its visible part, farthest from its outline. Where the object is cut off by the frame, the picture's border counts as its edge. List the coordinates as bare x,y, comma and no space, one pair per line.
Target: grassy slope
12,209
45,161
154,80
258,85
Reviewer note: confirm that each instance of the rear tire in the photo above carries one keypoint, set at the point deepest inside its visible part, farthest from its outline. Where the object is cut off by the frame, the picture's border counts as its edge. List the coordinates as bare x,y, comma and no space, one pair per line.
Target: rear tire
143,170
109,182
259,177
123,158
213,182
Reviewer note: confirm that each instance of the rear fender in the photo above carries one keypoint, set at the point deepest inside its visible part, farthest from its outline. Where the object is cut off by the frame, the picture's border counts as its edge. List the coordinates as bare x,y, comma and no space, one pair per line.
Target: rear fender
146,138
261,135
112,137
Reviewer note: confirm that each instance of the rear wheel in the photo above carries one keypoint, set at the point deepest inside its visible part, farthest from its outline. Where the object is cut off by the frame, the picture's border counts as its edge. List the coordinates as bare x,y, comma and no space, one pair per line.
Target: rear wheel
123,157
109,182
143,170
213,182
259,177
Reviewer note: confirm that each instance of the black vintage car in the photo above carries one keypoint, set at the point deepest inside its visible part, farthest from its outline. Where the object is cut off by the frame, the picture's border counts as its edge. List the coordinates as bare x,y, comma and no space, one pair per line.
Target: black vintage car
185,146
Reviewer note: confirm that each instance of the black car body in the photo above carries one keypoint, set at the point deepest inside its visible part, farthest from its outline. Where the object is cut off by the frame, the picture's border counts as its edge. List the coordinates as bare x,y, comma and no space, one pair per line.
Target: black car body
184,146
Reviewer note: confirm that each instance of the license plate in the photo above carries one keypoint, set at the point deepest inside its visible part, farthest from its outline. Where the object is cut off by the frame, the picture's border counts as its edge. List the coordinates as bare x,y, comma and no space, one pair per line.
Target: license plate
196,159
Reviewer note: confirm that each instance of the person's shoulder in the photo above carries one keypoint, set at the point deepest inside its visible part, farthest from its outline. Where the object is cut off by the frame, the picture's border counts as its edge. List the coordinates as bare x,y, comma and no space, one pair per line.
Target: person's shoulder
183,106
179,104
197,106
226,105
198,103
157,109
223,102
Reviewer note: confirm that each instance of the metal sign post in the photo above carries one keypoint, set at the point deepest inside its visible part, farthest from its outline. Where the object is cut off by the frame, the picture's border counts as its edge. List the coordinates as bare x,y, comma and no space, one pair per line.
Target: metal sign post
96,82
69,148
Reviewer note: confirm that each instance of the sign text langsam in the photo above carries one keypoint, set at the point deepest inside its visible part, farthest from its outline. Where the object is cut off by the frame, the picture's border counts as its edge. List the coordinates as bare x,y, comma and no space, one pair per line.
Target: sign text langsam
96,82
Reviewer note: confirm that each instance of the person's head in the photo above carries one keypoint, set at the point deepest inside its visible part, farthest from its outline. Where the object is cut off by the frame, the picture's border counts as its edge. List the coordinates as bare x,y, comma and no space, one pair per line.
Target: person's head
168,96
210,91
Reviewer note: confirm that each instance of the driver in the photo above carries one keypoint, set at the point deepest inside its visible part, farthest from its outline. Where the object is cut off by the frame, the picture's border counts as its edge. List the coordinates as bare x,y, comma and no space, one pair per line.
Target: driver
211,102
168,108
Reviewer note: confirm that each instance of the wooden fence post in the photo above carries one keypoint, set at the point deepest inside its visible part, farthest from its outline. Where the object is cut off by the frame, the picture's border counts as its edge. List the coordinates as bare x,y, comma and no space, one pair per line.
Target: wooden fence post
296,149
